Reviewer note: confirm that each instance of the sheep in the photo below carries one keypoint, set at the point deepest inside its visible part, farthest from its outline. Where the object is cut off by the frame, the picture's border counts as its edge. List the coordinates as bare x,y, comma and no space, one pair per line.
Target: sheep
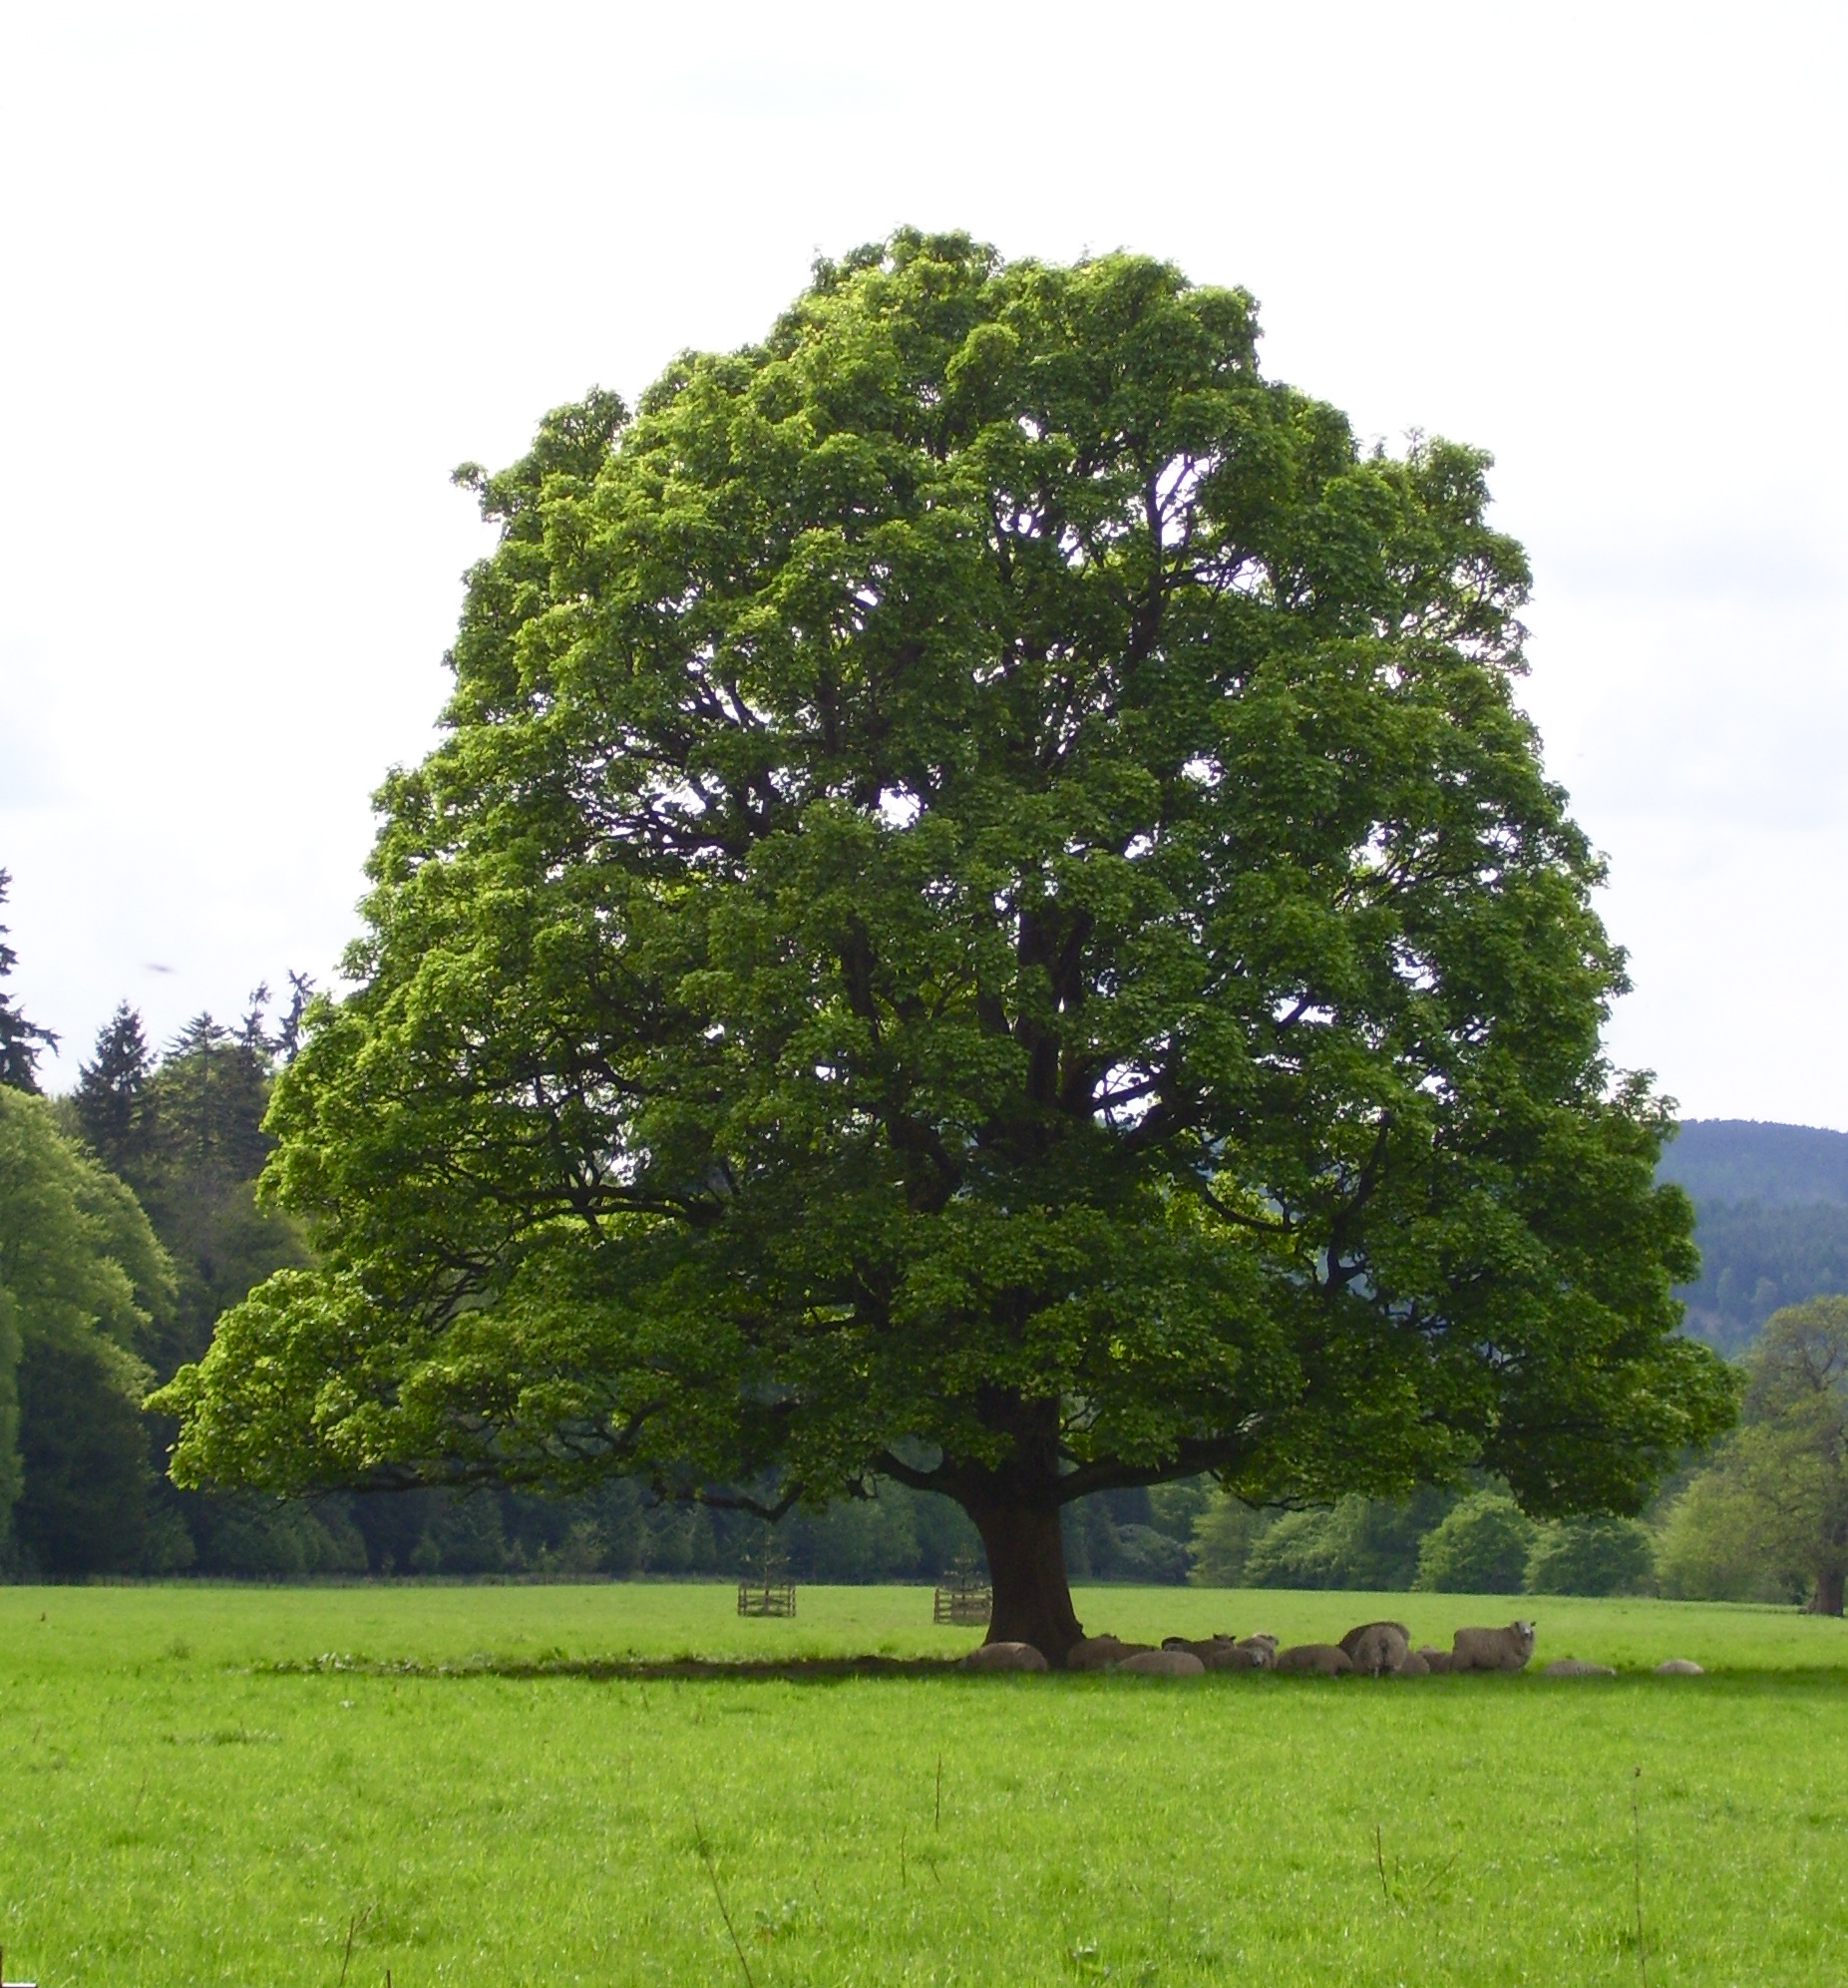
1379,1648
1162,1664
1215,1652
1260,1649
1493,1649
1433,1658
1328,1660
1574,1667
1679,1667
1005,1657
1099,1653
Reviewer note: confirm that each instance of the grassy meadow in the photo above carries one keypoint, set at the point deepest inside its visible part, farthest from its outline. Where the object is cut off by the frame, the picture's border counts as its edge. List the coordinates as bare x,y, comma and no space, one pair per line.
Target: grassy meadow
247,1786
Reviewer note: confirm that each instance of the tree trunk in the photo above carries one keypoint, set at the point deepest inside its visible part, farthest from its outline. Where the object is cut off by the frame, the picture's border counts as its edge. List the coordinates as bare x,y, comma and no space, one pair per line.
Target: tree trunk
1827,1600
1026,1565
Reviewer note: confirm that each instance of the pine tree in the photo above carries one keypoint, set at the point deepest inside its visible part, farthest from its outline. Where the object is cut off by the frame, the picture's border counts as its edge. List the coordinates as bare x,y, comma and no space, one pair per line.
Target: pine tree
20,1041
111,1093
210,1096
203,1146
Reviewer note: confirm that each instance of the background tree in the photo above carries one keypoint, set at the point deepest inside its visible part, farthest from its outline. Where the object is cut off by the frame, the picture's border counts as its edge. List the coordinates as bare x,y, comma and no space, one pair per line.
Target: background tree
21,1041
198,1151
1356,1543
1591,1556
1479,1547
986,916
1770,1514
111,1098
82,1283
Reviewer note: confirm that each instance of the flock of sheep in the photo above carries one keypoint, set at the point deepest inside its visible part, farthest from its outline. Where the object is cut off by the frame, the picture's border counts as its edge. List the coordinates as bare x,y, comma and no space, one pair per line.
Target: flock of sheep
1375,1649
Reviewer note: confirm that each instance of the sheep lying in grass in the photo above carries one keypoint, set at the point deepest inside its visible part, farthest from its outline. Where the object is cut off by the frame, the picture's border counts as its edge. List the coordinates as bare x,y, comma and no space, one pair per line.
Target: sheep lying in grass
1101,1653
1326,1660
1163,1664
1005,1657
1374,1649
1378,1649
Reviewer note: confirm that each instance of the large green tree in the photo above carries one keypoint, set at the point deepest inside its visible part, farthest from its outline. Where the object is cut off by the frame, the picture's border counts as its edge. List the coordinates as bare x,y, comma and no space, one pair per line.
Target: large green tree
985,915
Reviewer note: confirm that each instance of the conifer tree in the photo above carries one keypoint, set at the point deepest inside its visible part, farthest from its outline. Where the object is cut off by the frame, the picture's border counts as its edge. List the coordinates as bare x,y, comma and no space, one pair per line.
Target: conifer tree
111,1098
21,1041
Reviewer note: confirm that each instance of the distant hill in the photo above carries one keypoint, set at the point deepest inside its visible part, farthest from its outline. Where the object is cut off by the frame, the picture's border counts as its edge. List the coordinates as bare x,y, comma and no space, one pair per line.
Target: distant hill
1771,1203
1741,1159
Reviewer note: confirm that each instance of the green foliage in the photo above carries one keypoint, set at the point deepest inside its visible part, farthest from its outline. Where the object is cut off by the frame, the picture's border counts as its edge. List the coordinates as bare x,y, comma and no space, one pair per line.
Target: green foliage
108,1309
1134,1534
87,1477
1591,1556
1770,1513
1757,1259
985,899
1710,1547
110,1100
1481,1546
83,1287
1356,1543
1221,1543
202,1146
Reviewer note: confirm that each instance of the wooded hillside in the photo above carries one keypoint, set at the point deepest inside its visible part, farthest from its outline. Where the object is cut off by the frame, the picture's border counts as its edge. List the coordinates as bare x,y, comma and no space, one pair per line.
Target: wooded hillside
1772,1206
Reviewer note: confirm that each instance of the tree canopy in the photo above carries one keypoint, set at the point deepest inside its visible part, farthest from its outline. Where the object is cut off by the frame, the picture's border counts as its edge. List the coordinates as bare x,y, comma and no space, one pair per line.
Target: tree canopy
985,915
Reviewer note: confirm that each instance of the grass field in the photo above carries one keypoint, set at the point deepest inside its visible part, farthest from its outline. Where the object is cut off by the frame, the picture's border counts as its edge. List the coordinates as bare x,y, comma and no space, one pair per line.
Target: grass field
179,1809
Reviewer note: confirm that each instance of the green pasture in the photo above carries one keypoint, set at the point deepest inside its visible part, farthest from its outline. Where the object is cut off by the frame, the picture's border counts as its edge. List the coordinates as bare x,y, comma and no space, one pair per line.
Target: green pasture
190,1796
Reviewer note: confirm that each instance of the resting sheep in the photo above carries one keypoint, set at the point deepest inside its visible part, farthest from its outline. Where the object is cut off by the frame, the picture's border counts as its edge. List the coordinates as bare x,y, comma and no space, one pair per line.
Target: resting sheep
1215,1652
1326,1660
1505,1649
1163,1664
1378,1649
1099,1653
1005,1657
1574,1667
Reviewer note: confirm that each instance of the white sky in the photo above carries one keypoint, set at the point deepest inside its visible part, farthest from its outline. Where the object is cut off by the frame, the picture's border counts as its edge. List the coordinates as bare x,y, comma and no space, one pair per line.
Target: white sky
266,273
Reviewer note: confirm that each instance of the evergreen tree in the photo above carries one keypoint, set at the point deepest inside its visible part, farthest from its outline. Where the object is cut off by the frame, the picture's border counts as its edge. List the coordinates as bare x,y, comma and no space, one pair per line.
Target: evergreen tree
21,1041
213,1091
110,1099
205,1147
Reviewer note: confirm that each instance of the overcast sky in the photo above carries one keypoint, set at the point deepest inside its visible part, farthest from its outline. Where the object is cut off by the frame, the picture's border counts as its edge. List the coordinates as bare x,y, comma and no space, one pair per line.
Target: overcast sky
270,272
